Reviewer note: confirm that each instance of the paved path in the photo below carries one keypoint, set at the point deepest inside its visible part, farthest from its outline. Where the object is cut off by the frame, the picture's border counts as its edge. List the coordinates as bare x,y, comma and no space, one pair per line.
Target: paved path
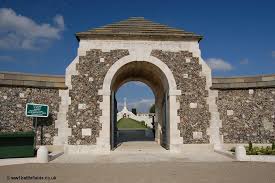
159,172
146,151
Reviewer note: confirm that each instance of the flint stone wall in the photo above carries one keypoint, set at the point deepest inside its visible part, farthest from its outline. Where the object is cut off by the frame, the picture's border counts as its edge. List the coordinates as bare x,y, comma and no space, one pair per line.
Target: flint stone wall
84,110
194,111
247,115
12,110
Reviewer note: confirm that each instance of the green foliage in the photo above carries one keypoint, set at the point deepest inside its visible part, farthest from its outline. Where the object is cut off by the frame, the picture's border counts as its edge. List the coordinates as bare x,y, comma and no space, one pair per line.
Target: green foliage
130,124
152,109
273,145
254,150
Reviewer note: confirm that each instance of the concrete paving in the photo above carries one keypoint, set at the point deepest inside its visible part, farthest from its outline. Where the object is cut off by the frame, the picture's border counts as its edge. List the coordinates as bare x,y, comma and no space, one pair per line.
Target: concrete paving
14,161
159,172
146,151
142,162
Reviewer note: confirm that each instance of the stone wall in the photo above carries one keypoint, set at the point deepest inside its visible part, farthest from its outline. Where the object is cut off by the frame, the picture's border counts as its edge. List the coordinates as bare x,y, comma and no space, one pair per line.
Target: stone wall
247,115
194,111
84,111
12,110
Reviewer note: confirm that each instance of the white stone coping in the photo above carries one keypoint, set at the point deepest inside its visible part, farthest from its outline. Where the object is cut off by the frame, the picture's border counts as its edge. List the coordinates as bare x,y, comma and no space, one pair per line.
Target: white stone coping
240,154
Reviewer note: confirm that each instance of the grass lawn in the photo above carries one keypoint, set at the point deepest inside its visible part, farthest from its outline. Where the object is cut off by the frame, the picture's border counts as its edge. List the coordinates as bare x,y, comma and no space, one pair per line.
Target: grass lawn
130,123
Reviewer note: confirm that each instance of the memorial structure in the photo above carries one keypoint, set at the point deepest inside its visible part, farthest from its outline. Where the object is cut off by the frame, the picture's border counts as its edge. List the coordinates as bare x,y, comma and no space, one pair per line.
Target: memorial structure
192,108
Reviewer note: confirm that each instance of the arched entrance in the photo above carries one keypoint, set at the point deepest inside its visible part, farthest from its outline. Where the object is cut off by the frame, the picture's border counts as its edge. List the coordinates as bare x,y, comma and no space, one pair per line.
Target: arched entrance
151,75
160,79
179,76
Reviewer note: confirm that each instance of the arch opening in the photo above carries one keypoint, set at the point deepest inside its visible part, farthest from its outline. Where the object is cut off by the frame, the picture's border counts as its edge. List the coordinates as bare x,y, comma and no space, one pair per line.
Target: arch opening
154,77
135,112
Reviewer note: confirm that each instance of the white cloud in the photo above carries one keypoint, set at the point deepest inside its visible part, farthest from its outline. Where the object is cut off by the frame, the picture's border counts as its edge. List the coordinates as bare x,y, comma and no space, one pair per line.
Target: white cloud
59,20
273,54
142,105
20,32
219,64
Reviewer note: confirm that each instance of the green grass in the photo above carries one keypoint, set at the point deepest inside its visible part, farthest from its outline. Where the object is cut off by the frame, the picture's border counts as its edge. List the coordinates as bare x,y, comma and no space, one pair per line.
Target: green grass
130,124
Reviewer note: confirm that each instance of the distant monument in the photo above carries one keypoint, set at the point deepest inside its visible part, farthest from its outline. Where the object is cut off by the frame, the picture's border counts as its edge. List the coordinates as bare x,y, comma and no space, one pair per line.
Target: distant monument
125,113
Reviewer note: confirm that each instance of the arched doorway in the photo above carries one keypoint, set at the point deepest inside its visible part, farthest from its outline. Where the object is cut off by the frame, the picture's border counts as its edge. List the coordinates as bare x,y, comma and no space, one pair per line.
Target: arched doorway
159,77
151,75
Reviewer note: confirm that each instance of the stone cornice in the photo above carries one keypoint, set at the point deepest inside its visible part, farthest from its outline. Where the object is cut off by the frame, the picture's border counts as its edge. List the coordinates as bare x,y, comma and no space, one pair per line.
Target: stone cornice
14,79
243,82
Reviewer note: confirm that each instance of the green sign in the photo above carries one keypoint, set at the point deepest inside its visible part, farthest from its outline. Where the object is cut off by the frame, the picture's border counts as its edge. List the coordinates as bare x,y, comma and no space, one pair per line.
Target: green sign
37,110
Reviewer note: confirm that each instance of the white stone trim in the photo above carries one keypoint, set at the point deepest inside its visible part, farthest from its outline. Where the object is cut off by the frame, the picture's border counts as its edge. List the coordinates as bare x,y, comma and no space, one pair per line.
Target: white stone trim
138,58
229,112
138,46
215,123
101,59
140,51
250,91
86,132
82,106
62,123
197,135
193,105
71,70
142,56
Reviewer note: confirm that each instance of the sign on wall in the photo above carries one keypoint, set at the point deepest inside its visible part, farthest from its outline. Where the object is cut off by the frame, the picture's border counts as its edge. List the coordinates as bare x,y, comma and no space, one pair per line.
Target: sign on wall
37,110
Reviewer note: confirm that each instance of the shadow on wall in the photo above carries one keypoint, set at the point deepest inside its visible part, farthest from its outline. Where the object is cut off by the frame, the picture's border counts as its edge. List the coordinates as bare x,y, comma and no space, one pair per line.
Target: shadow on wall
42,123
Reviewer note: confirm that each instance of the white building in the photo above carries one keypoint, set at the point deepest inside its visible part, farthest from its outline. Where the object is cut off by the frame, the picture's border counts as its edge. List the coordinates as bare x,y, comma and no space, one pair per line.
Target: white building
125,113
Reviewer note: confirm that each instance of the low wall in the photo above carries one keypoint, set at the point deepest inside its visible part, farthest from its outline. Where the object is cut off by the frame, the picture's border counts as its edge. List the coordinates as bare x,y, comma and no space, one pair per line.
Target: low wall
246,105
17,89
247,108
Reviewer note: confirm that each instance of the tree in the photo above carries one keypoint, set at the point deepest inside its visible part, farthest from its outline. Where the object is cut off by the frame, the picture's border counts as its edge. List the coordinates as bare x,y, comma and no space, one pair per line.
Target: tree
134,111
152,109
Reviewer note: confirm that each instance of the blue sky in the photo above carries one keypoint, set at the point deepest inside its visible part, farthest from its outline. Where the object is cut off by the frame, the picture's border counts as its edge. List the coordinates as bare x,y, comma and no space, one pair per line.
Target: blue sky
38,36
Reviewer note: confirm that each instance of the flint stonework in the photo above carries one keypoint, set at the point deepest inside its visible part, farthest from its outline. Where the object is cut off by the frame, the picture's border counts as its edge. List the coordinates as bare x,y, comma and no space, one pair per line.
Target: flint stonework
193,91
252,118
95,65
12,111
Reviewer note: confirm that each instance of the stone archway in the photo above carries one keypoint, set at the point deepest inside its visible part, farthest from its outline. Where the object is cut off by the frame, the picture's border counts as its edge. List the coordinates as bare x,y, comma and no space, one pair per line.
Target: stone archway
163,84
84,119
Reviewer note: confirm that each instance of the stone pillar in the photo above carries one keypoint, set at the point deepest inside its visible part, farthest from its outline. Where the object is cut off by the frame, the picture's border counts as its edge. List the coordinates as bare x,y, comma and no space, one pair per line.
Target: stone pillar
174,136
103,141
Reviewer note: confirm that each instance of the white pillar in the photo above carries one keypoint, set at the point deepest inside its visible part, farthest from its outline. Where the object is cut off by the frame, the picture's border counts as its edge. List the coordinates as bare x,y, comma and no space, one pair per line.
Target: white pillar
42,155
240,153
174,136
